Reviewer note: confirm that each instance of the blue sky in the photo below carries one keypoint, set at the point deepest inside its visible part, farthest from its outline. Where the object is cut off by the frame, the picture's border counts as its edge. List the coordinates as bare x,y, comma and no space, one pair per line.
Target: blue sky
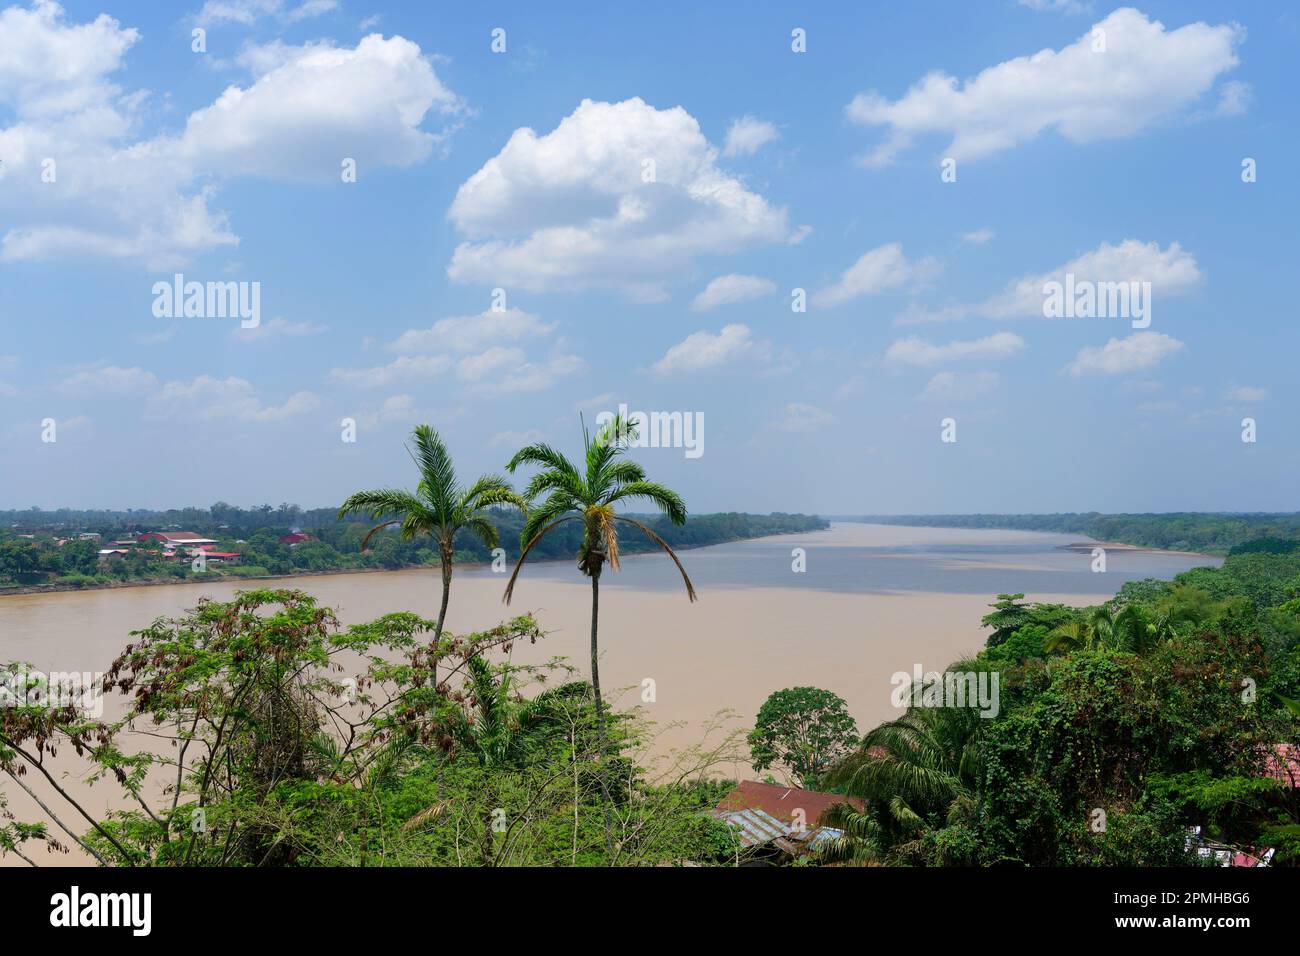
773,170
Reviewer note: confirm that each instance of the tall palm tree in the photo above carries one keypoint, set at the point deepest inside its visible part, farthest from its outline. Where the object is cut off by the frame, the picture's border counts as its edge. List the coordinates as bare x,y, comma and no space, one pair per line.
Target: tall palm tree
439,507
589,496
916,773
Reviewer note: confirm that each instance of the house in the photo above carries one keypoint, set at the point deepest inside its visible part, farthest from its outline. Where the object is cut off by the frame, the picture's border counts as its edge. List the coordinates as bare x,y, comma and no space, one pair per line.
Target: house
787,804
1283,763
212,556
296,537
187,538
775,821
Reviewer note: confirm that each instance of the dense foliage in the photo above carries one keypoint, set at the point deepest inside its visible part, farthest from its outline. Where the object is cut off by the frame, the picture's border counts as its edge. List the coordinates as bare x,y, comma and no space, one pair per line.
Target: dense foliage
1120,727
297,742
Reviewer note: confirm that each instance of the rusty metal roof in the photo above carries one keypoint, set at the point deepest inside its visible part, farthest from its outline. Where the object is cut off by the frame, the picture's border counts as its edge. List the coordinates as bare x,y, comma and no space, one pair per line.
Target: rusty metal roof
755,826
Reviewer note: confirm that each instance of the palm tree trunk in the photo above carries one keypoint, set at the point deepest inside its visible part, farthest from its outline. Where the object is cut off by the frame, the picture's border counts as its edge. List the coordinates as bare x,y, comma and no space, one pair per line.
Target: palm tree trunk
437,639
602,740
446,596
446,555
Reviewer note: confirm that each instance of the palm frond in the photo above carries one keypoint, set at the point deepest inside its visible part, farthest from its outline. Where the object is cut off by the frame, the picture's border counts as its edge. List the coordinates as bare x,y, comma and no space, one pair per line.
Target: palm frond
540,454
553,479
381,503
510,587
484,530
690,588
488,491
668,501
600,451
376,529
625,471
601,518
550,509
437,473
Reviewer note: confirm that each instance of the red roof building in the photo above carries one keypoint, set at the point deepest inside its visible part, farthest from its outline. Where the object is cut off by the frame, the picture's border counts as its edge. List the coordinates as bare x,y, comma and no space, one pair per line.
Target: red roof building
782,802
1283,763
175,537
296,538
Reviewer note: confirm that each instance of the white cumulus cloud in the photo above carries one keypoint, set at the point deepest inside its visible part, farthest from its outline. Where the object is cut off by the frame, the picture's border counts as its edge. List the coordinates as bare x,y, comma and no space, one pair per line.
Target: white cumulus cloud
919,351
109,379
118,194
1172,272
705,350
406,368
618,195
883,269
748,135
1145,75
960,386
466,333
207,398
729,289
1139,351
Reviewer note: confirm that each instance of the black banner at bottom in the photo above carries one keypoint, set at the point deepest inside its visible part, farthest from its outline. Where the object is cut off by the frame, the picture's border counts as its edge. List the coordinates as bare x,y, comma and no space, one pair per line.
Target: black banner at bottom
141,907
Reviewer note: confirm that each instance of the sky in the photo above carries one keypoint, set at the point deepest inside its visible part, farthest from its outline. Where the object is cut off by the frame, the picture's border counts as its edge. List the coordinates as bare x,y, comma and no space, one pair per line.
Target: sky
825,234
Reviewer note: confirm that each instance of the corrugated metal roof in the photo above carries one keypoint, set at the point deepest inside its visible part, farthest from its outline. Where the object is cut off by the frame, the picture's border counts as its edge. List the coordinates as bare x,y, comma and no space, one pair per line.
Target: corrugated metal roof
755,826
789,804
822,834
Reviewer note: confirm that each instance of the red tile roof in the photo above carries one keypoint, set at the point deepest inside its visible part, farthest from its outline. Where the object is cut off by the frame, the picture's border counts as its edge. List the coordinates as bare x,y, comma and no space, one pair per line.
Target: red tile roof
1283,763
781,802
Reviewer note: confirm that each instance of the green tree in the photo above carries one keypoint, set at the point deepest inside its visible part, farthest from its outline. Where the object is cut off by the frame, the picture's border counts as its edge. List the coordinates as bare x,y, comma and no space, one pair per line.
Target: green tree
806,729
439,508
79,557
919,774
589,496
1011,613
19,562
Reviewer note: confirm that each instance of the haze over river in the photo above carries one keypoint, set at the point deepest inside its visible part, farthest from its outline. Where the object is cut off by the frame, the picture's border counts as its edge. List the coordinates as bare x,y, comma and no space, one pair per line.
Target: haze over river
875,599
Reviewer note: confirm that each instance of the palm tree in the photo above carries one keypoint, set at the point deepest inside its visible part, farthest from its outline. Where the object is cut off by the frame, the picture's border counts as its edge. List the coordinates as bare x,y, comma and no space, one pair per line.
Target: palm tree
589,496
915,773
440,507
1131,629
501,731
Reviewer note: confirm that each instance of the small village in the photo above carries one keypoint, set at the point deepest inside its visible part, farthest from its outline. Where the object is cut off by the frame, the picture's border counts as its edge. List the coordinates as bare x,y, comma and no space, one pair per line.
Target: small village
178,546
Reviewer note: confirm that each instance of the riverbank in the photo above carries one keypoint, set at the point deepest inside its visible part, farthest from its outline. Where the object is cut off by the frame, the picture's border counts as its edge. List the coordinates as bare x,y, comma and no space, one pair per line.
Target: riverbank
217,576
1086,547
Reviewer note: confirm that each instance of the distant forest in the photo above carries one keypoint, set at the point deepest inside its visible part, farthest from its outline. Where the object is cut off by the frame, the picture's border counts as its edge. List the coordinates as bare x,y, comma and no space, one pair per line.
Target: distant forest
1209,532
37,557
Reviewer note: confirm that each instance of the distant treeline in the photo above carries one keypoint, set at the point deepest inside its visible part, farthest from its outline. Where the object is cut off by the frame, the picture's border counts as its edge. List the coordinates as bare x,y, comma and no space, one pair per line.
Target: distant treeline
1210,532
255,535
